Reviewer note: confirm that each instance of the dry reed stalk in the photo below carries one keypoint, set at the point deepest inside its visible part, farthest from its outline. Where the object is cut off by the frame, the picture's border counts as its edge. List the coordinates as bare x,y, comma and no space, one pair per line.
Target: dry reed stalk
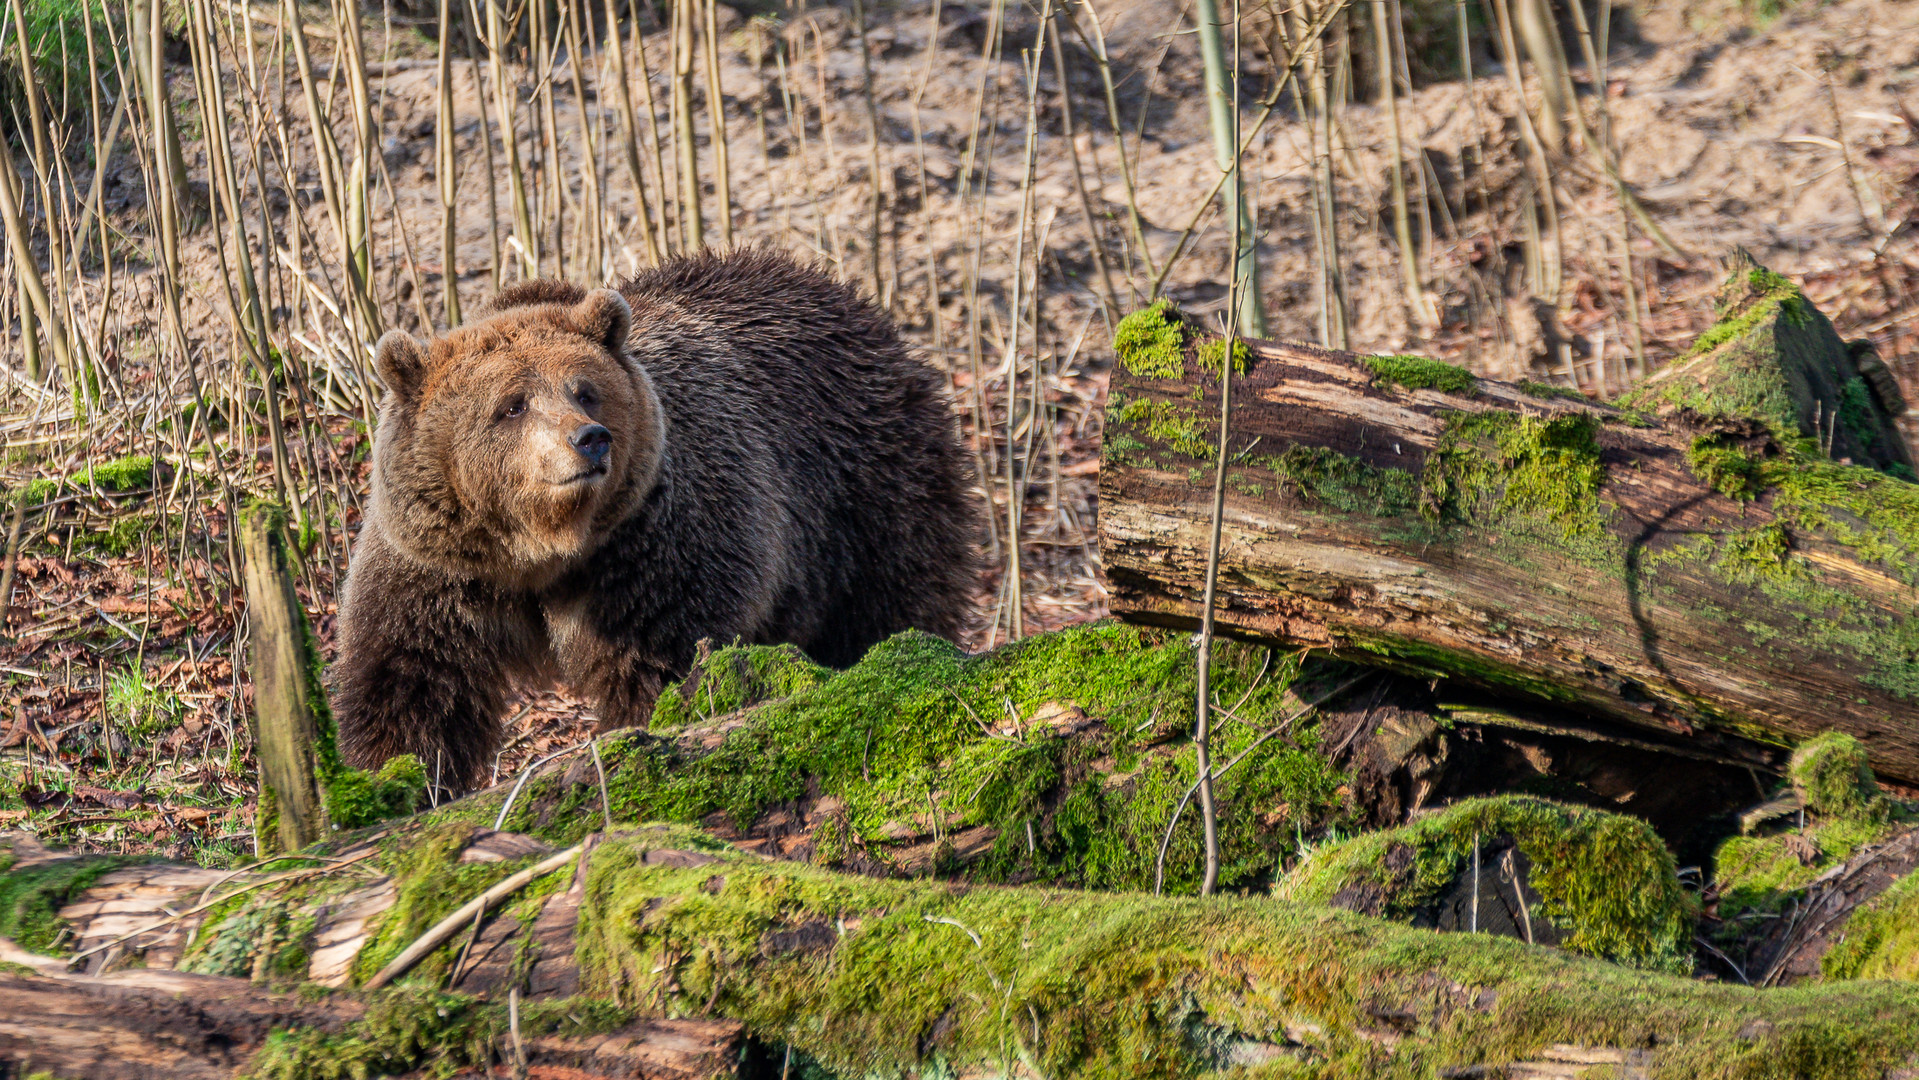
525,241
26,269
331,167
692,224
875,195
1097,46
51,322
716,121
595,202
1545,252
349,66
656,143
247,309
629,132
1539,32
446,170
1417,304
1108,298
1016,476
1222,97
925,202
557,204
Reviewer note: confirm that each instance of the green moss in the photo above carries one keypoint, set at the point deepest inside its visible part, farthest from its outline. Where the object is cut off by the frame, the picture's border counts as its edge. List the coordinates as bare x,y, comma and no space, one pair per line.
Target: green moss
1211,355
1346,484
1550,391
1151,342
122,474
1881,937
1835,780
887,978
737,679
1175,425
357,798
1750,374
31,898
1875,518
118,476
1846,811
1420,373
1725,466
919,738
403,1031
1766,294
1521,470
1606,881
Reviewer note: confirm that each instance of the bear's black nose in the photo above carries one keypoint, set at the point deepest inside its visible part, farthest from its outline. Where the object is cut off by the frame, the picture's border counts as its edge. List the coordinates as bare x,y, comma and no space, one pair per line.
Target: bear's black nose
592,441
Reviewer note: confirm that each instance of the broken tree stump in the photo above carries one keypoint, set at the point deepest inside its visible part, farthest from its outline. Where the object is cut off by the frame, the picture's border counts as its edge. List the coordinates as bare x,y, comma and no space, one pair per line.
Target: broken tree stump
286,688
1680,564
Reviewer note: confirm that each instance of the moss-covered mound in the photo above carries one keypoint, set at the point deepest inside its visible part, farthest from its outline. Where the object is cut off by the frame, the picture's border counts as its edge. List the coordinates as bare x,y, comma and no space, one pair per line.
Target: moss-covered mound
1830,843
1834,780
1060,758
1774,358
1606,883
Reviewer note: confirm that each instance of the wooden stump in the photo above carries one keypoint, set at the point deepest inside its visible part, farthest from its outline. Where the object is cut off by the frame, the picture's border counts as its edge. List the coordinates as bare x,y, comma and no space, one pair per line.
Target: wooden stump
285,687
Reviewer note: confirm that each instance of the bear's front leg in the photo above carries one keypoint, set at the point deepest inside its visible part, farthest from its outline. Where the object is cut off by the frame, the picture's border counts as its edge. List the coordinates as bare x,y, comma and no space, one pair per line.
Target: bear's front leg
621,679
426,661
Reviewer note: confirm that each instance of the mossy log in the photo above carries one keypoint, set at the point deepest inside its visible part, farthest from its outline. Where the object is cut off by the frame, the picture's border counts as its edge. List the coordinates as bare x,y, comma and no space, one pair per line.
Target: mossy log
1696,559
680,946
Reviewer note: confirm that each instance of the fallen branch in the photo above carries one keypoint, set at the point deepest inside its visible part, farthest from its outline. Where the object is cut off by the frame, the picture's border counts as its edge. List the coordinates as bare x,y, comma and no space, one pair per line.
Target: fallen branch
451,925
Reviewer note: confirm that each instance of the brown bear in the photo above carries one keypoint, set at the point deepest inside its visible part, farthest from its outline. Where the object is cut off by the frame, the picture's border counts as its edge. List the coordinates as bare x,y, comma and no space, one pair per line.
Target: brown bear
579,486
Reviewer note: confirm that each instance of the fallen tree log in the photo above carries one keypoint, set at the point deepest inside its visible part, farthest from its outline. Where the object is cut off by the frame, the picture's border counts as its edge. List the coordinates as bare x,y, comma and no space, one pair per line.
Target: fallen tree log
682,946
1695,560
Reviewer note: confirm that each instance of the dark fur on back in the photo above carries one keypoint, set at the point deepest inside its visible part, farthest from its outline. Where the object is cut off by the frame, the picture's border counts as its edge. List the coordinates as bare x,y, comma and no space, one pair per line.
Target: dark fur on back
810,489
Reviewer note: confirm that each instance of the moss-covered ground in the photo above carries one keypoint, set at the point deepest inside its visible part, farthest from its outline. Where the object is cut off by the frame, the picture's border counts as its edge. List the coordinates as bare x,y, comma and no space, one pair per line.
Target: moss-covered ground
921,740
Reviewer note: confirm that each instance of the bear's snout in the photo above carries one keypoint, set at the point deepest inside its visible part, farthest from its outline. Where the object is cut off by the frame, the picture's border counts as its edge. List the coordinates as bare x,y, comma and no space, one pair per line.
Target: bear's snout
593,441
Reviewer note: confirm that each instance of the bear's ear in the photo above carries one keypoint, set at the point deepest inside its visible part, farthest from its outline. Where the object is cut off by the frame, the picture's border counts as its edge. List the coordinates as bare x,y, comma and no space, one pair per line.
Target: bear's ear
604,317
401,362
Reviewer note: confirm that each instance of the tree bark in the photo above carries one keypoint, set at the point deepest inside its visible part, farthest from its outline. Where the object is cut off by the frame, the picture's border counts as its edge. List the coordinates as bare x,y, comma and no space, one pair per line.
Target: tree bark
1696,562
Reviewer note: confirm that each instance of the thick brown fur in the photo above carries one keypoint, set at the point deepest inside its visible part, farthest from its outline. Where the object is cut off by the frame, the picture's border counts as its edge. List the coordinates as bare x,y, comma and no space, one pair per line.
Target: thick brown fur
781,470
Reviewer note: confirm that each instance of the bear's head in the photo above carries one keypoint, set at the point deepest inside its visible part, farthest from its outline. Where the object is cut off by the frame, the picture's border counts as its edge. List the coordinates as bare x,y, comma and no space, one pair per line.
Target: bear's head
510,447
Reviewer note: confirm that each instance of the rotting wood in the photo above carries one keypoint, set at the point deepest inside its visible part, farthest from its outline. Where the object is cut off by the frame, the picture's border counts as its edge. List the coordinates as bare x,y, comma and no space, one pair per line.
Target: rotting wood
1714,576
283,662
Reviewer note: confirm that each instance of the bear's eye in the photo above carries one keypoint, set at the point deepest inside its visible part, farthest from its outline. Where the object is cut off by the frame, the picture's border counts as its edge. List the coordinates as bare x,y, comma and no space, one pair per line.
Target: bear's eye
585,396
513,408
